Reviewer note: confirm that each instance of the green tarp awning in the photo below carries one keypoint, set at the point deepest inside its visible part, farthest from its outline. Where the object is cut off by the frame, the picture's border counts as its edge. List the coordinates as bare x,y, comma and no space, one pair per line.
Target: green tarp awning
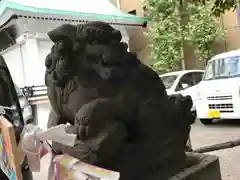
83,9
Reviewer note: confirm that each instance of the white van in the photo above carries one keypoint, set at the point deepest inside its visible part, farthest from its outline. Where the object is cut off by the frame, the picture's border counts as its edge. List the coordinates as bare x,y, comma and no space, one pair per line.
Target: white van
218,94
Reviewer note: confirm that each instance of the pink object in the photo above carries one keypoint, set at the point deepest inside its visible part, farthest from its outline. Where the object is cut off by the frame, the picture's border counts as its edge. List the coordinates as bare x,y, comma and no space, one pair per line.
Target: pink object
43,151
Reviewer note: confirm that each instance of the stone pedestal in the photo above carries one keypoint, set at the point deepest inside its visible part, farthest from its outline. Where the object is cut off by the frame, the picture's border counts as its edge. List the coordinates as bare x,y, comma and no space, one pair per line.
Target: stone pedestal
200,167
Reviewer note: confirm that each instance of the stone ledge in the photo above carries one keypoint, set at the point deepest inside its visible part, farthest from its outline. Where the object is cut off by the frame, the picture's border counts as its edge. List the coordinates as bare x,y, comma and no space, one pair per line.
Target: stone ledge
200,167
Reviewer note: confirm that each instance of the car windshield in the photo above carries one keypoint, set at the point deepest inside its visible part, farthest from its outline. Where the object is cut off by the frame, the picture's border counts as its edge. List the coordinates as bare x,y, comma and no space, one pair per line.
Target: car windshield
168,81
223,68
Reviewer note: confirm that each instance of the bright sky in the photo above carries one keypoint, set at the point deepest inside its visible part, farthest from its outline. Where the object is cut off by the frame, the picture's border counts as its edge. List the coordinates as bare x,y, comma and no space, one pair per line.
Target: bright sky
90,6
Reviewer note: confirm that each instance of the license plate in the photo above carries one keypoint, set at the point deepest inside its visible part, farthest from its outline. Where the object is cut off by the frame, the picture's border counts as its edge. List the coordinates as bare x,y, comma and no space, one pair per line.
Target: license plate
214,114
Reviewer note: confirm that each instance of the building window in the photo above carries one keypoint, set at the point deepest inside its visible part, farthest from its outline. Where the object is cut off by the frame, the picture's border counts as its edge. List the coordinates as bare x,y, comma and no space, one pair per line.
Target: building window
133,12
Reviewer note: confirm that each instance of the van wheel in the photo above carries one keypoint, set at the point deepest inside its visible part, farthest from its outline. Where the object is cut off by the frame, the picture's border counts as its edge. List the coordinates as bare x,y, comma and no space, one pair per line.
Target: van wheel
206,121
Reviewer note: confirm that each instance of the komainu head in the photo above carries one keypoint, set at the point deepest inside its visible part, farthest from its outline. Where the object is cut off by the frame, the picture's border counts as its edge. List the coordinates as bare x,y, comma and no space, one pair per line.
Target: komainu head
91,47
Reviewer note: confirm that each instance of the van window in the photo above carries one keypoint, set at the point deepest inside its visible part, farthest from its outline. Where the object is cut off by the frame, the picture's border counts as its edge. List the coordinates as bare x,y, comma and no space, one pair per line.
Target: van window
223,68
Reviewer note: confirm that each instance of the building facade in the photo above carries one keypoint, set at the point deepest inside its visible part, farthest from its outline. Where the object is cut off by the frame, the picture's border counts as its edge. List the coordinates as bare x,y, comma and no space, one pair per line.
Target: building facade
230,21
137,39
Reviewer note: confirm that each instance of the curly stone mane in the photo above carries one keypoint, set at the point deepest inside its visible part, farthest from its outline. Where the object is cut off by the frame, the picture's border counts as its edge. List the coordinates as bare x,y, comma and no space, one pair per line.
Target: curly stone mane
96,35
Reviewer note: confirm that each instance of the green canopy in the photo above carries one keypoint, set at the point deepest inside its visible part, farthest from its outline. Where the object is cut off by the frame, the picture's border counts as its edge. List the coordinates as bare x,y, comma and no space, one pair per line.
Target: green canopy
87,10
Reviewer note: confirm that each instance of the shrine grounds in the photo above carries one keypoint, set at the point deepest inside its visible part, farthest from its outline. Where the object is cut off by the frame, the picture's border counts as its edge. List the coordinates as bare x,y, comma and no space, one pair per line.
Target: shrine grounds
220,131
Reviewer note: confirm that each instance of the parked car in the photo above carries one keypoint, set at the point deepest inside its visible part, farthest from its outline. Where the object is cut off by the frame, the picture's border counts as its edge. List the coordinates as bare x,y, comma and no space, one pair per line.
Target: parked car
25,106
218,94
183,82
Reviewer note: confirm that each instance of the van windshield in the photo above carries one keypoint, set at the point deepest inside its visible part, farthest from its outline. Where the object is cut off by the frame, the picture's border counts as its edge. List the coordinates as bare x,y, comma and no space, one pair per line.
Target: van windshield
223,68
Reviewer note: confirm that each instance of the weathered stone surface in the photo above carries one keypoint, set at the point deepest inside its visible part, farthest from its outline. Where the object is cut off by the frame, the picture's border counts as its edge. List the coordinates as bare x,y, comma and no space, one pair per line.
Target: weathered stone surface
117,106
200,167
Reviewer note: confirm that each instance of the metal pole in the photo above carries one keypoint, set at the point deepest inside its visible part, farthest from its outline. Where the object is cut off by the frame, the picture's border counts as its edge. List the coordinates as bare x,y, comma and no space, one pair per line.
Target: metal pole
215,147
35,113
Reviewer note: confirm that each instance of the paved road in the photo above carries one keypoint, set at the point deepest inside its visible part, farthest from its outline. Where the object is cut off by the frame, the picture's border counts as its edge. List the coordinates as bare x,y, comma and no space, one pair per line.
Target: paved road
220,131
201,135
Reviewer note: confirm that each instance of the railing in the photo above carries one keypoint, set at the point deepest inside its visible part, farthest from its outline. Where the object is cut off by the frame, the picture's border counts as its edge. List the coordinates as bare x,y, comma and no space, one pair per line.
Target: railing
35,94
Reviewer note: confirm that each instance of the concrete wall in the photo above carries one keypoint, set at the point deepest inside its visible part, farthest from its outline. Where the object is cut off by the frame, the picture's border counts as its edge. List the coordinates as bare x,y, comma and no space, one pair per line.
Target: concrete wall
13,57
137,40
231,25
27,66
130,5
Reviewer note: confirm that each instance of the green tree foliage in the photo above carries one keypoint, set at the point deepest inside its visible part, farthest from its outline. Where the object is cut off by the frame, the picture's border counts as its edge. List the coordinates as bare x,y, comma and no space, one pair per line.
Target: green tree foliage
173,23
220,6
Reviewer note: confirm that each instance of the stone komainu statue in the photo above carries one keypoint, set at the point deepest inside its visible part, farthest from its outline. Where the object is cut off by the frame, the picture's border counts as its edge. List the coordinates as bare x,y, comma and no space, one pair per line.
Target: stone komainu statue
117,106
